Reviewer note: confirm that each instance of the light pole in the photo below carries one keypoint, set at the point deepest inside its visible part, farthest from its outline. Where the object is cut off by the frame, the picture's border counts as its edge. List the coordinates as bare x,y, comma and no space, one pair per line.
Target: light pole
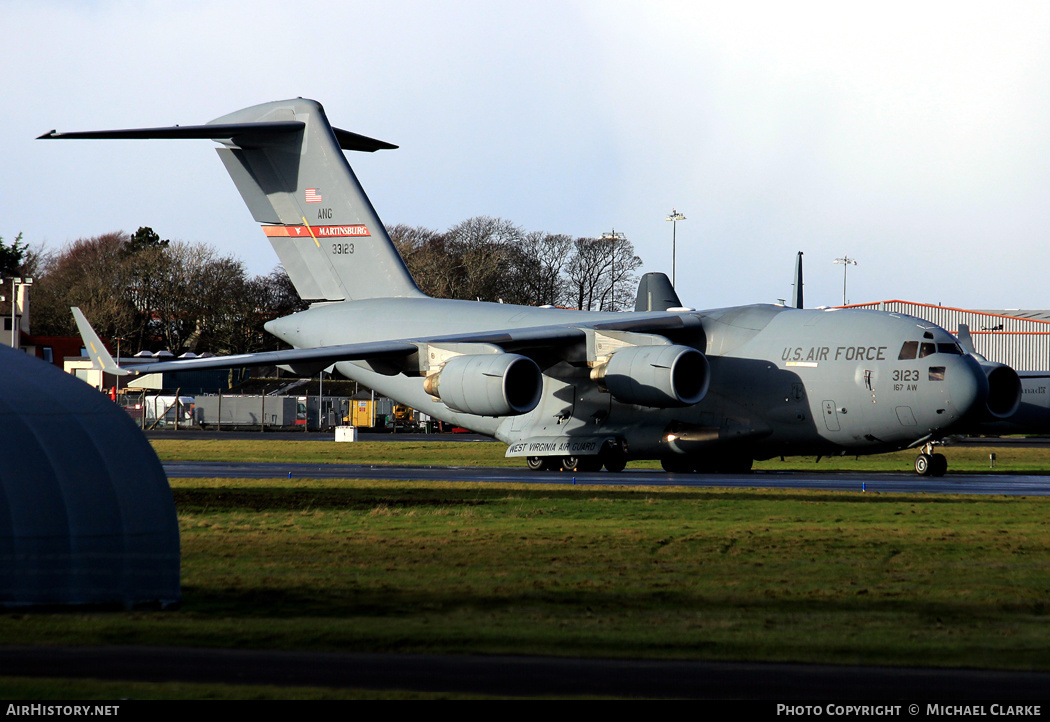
118,339
846,261
674,218
613,236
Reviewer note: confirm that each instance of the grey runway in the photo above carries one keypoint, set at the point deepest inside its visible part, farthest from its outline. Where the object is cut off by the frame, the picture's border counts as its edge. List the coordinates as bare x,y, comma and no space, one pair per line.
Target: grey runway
522,676
1009,484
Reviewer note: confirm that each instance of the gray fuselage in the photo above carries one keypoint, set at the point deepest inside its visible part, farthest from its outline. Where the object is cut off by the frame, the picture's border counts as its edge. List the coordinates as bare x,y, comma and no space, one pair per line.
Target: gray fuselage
782,380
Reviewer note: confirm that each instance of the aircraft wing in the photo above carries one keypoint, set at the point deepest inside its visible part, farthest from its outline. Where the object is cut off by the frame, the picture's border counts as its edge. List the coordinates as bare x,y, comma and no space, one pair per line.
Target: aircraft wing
510,339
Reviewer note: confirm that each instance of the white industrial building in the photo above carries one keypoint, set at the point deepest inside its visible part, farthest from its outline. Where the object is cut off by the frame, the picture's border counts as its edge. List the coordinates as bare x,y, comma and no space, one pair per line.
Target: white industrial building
1018,338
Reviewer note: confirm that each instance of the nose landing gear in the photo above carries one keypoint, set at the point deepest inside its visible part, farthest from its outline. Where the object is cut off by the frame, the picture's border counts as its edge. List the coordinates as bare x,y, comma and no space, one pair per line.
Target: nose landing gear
928,463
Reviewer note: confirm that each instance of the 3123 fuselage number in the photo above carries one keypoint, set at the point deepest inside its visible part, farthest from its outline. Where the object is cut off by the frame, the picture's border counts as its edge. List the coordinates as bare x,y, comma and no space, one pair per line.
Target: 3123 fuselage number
906,375
341,249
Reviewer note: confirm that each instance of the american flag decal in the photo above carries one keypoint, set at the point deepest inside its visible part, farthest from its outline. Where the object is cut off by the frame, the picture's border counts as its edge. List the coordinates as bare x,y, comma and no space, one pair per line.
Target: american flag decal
313,195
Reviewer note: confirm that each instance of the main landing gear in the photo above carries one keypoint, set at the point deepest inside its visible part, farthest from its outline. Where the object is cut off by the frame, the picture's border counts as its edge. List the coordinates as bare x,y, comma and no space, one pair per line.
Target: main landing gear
578,464
928,463
612,457
727,463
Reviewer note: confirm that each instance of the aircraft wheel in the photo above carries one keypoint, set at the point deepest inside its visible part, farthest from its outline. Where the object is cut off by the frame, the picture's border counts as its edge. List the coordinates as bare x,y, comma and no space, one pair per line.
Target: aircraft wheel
589,463
924,464
735,465
938,465
538,463
677,464
581,463
705,466
613,458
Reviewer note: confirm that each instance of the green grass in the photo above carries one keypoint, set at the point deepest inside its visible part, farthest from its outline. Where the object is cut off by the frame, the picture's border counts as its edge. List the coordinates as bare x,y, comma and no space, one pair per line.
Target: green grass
667,572
713,574
442,453
114,693
961,459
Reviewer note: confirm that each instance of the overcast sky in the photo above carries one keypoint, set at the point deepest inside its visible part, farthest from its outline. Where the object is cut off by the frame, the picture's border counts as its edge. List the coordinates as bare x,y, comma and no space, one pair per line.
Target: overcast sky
910,136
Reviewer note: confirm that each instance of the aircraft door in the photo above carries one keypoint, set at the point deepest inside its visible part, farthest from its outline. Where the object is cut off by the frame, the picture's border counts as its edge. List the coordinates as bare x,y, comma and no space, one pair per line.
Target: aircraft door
905,416
831,416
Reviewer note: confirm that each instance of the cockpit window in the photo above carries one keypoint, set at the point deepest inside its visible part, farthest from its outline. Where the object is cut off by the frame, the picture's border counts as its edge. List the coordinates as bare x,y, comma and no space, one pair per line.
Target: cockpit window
913,349
936,373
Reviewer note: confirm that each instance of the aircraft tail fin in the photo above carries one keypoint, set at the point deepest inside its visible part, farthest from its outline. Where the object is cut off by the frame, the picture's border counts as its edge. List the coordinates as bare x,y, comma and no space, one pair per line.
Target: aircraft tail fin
287,162
655,293
100,358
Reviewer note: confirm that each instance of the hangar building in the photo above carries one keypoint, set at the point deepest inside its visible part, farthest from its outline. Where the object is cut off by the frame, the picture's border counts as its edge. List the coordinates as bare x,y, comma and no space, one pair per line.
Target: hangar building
86,513
1019,339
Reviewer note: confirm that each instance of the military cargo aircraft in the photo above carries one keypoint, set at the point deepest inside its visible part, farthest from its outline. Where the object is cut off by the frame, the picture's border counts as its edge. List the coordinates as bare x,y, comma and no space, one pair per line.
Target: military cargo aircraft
1030,414
702,391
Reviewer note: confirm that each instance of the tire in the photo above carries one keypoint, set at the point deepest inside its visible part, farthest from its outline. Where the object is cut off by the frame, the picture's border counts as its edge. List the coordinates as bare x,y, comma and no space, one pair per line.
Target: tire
923,464
938,465
613,458
537,463
581,464
677,464
735,465
589,464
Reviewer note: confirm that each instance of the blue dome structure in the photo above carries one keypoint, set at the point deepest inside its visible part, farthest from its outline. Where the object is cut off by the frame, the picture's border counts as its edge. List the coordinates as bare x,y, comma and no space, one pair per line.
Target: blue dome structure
86,513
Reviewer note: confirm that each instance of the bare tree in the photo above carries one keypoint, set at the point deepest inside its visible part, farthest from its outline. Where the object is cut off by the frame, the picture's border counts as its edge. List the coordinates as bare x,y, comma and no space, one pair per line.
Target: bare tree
481,246
160,295
585,269
432,267
602,273
89,273
534,269
493,259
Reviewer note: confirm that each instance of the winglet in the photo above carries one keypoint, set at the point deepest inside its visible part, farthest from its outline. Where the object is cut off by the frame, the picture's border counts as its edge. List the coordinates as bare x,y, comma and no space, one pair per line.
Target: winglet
100,358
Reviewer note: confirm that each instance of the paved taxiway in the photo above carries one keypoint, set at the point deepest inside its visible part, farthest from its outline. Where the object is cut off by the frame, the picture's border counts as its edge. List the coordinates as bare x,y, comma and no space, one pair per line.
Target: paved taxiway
1015,485
521,676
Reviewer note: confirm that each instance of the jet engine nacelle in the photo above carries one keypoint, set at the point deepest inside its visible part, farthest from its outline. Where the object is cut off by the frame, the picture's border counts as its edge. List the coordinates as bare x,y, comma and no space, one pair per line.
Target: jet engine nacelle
657,376
501,384
1004,389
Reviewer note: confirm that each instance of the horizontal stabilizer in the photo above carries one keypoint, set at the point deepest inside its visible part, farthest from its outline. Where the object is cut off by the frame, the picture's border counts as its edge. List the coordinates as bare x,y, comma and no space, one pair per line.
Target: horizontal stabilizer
284,158
244,135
